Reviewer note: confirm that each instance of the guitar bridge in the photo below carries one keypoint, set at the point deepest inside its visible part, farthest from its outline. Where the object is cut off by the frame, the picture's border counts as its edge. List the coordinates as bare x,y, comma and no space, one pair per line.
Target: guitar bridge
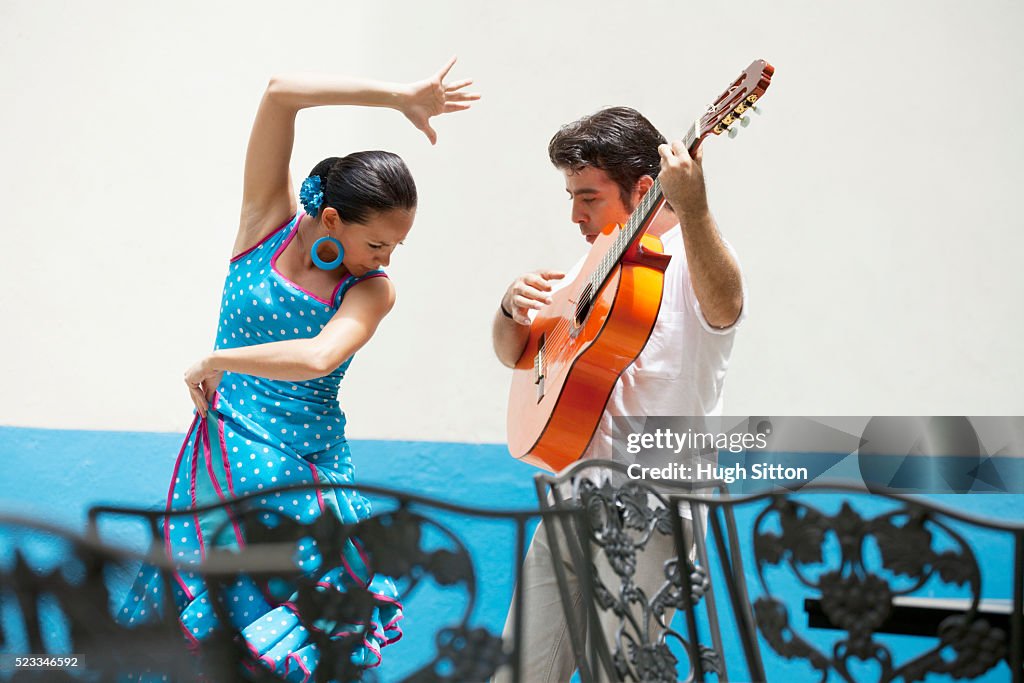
539,368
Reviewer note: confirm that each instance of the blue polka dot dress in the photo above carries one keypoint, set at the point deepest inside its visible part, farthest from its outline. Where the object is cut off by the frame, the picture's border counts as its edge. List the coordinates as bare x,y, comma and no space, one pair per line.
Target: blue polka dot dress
261,434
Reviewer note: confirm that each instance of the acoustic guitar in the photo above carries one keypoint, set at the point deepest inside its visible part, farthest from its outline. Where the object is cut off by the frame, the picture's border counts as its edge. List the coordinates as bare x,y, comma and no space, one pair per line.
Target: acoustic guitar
599,323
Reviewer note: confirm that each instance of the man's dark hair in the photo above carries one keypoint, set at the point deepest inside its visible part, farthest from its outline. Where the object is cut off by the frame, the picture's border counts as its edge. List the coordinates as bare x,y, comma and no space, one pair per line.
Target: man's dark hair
618,140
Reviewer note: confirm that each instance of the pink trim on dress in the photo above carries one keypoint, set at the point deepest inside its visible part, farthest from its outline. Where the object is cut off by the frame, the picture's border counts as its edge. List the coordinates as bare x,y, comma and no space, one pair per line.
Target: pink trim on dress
193,467
302,667
183,585
208,452
170,491
398,636
273,266
273,232
252,648
355,577
193,641
319,492
224,447
337,288
192,490
361,278
370,276
375,651
387,598
362,555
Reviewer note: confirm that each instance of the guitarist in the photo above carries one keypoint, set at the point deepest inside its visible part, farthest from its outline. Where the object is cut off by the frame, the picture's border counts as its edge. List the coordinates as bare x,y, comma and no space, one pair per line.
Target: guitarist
609,160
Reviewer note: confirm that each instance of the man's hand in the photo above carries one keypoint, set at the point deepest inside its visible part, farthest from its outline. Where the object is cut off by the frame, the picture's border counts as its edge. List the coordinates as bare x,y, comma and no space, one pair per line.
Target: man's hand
682,181
529,291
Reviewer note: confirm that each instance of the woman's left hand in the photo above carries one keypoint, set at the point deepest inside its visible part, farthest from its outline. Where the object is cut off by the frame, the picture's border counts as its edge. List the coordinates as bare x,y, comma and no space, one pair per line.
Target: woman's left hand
432,97
202,382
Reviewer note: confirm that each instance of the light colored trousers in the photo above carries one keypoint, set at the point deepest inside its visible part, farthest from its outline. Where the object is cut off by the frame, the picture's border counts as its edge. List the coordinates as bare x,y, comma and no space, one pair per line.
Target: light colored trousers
546,650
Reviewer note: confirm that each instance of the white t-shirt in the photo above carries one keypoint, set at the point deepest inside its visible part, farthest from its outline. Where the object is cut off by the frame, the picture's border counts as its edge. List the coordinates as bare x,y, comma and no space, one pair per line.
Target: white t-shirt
682,368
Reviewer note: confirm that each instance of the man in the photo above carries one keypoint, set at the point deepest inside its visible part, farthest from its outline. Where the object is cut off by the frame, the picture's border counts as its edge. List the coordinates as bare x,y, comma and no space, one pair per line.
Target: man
609,160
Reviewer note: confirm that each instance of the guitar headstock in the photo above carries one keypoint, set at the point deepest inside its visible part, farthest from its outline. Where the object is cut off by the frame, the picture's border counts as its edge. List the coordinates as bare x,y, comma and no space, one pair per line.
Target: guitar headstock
738,98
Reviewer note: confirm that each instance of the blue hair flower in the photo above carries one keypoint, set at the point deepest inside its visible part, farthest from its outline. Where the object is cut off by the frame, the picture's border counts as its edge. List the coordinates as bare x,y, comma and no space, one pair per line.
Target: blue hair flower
311,196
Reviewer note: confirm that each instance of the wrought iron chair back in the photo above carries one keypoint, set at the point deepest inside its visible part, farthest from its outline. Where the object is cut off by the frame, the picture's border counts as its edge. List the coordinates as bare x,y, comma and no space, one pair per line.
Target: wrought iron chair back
859,566
622,519
49,574
406,541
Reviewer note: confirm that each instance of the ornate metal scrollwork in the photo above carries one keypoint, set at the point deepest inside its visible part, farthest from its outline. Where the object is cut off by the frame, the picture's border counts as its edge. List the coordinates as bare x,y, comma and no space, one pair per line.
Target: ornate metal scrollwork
68,587
402,543
621,521
464,654
858,588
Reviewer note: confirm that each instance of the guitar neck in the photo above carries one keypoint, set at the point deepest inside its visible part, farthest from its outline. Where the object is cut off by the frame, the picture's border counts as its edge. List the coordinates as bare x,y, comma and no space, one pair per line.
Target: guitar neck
641,217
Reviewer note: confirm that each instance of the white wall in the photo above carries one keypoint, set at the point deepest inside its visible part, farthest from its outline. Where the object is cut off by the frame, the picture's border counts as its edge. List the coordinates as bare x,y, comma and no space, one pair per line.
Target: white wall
873,206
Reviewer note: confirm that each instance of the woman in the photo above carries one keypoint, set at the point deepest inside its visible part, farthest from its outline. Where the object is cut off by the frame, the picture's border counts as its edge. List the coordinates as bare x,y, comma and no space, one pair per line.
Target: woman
304,292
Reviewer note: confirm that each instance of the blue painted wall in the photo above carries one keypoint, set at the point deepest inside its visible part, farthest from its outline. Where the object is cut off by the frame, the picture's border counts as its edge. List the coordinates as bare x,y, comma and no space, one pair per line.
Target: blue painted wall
56,475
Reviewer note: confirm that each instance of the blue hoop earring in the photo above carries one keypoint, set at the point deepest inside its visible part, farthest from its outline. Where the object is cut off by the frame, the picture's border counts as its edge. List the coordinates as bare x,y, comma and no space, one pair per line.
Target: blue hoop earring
327,265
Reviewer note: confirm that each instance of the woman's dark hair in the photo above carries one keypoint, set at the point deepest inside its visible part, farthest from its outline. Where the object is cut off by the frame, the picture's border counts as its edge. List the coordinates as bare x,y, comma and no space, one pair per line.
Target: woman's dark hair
364,183
618,140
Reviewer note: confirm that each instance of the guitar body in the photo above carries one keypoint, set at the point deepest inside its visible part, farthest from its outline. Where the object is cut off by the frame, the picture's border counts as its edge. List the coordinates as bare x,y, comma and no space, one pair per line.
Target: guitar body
570,365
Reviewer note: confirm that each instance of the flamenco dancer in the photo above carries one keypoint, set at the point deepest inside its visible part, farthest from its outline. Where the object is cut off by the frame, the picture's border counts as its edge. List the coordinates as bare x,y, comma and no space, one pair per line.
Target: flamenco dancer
304,292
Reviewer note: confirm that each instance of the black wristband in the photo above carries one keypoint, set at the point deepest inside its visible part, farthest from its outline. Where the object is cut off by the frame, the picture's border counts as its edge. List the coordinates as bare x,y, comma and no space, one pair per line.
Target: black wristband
505,313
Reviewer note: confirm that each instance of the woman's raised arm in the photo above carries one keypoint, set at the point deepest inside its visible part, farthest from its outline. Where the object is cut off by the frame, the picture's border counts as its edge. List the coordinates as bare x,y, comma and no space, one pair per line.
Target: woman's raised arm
268,198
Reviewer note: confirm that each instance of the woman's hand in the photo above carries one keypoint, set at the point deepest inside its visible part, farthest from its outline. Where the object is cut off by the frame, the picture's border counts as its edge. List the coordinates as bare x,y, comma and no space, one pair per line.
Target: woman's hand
432,97
202,382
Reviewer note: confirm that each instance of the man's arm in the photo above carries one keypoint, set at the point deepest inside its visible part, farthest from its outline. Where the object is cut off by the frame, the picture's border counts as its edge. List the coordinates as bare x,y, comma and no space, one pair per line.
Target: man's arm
511,326
509,338
714,273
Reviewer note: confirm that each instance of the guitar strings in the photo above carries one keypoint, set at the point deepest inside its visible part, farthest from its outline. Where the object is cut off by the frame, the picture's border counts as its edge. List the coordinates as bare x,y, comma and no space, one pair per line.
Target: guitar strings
558,340
611,259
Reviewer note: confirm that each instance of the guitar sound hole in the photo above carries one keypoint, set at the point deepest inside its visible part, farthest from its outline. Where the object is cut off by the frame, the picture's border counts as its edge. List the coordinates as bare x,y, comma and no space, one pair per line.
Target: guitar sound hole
584,305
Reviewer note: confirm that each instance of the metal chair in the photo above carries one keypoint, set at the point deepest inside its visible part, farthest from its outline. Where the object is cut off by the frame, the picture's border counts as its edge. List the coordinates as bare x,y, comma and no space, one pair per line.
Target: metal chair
864,564
407,541
52,579
624,518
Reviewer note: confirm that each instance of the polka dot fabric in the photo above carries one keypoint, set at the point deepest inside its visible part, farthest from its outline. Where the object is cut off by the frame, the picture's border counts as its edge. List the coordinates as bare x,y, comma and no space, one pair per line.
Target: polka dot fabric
260,434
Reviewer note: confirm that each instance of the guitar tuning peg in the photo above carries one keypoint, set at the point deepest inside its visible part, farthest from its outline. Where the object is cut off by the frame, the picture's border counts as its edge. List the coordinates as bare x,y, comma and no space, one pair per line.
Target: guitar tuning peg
745,121
757,110
733,132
